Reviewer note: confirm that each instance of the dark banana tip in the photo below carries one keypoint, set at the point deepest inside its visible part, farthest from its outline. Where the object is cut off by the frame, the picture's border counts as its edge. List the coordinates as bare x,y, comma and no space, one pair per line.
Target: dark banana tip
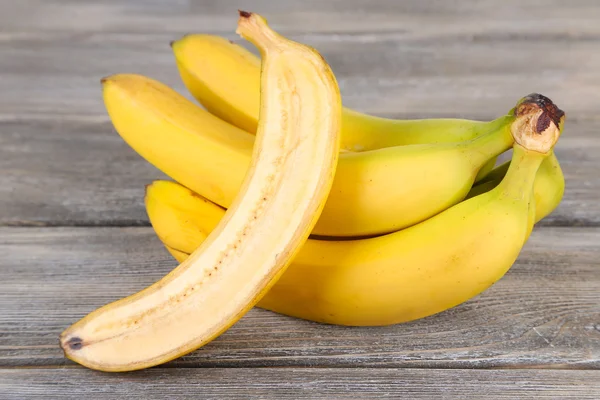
244,14
73,343
550,112
184,36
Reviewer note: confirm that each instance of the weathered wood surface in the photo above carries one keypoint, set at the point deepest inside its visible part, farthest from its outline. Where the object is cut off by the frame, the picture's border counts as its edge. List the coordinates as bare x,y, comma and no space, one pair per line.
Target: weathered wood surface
296,383
577,19
473,64
70,173
545,313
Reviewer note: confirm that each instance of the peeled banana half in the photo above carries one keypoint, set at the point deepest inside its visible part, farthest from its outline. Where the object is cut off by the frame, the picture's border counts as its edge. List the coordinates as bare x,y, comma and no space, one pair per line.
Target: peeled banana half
289,177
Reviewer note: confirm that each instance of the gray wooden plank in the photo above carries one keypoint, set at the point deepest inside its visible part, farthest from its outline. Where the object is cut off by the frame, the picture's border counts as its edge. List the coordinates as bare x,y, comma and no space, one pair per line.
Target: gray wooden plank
294,383
81,173
73,173
430,17
56,74
545,313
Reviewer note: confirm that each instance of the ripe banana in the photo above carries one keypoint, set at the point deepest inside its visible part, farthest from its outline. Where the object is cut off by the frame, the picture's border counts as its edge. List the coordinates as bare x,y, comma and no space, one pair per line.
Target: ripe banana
374,192
292,169
402,276
225,78
548,188
183,219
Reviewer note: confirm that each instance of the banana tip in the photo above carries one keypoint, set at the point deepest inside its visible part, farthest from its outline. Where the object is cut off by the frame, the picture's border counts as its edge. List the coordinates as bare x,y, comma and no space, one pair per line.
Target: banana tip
147,187
245,14
70,344
174,43
73,343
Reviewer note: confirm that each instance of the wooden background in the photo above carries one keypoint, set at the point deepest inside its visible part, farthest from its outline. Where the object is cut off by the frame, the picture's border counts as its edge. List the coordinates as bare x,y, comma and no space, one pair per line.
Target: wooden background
74,234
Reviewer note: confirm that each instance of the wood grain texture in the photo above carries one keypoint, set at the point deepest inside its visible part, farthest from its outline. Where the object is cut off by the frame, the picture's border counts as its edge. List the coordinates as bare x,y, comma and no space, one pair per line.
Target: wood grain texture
331,16
479,74
294,383
544,314
70,173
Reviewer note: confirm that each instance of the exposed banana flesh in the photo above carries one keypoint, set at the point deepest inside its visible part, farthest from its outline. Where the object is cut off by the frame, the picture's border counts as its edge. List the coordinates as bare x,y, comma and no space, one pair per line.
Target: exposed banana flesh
406,275
289,176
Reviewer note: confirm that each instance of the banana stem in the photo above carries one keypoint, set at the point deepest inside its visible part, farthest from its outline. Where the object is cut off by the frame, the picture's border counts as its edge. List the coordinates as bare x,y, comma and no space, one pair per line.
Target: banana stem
535,131
496,175
495,142
254,28
521,173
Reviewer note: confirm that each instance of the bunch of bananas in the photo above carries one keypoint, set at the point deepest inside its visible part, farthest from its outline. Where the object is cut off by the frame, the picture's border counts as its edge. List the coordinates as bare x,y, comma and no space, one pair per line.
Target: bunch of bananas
417,219
400,257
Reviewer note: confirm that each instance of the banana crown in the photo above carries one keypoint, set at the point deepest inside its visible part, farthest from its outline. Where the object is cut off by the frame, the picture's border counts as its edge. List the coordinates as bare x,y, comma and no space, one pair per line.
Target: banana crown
538,123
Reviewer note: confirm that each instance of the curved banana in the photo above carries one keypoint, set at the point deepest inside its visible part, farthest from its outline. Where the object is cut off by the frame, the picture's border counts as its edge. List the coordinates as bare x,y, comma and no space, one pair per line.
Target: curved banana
225,78
402,276
292,169
548,187
182,219
374,192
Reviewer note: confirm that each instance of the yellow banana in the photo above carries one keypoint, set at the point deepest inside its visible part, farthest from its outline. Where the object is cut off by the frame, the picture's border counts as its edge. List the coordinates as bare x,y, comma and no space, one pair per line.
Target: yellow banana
292,170
374,192
548,188
183,219
225,78
398,277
